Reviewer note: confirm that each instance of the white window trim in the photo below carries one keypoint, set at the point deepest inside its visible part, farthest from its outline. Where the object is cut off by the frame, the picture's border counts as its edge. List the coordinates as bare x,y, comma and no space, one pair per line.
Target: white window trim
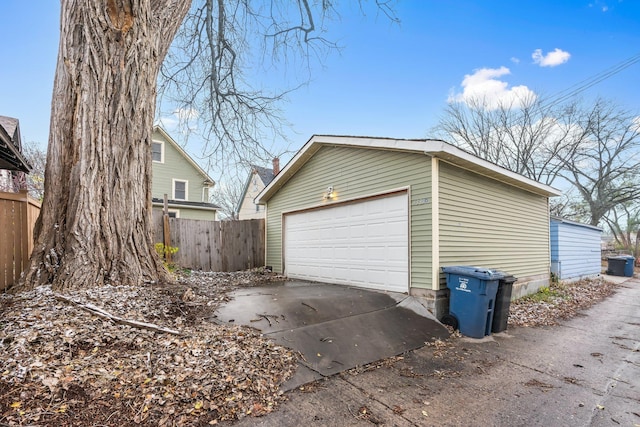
161,151
175,211
173,189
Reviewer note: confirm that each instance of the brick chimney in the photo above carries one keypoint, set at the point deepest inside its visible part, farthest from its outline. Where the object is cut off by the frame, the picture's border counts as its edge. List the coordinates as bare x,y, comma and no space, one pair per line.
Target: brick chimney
276,166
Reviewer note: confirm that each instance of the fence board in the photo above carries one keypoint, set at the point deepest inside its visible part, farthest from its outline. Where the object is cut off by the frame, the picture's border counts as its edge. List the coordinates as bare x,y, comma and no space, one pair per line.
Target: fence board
18,214
215,245
6,244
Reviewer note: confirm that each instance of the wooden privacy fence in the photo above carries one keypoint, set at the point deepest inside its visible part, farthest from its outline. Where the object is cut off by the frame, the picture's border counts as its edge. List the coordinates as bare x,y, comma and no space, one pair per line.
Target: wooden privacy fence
214,245
18,214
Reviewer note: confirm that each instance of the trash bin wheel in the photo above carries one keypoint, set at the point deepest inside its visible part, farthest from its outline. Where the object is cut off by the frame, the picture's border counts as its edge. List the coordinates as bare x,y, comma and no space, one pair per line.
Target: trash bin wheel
450,320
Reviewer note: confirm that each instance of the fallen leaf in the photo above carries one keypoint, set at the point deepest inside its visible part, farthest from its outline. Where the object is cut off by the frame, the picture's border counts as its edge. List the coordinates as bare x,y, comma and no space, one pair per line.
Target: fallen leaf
50,382
16,404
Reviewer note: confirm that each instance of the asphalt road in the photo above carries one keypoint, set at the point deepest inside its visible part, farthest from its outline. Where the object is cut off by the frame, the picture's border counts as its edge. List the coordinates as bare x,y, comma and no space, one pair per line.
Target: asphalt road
584,372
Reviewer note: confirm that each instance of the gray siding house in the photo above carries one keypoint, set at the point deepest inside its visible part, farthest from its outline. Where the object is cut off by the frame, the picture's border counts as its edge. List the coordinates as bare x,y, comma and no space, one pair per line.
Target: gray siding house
387,214
575,249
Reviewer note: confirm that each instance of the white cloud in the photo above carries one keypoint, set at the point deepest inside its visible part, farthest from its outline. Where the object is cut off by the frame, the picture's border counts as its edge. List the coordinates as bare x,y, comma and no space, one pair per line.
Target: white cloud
601,5
183,120
186,113
515,60
484,88
551,59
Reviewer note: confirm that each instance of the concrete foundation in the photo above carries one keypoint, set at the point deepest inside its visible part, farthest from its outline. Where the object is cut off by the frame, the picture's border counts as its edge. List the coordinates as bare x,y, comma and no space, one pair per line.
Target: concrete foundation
437,302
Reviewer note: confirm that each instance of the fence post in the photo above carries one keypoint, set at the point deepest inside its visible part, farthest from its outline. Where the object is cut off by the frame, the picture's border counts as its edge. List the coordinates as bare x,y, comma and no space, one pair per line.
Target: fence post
166,230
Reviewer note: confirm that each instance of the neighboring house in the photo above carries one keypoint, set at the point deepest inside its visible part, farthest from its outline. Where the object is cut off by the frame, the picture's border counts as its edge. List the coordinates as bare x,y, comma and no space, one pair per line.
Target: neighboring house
13,165
387,214
178,176
256,181
575,249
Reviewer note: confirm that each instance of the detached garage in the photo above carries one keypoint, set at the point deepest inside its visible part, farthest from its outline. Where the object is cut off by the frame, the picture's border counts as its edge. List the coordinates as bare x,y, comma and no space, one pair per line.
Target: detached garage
387,214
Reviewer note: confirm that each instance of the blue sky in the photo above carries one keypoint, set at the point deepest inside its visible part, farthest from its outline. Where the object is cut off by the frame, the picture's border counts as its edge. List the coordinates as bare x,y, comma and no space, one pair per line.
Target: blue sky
390,80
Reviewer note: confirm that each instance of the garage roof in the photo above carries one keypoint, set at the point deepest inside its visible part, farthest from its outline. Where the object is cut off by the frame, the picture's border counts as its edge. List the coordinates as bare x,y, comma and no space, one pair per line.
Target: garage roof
428,147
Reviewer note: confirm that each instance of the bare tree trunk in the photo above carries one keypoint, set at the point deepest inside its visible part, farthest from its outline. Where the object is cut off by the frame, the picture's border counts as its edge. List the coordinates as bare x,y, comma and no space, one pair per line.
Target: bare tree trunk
94,226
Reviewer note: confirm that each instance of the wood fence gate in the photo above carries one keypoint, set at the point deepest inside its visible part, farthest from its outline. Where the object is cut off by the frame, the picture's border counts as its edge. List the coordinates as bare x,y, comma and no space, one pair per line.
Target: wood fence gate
18,214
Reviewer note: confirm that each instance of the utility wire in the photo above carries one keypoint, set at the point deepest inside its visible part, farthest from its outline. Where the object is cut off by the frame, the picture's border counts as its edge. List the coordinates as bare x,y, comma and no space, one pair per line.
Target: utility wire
589,82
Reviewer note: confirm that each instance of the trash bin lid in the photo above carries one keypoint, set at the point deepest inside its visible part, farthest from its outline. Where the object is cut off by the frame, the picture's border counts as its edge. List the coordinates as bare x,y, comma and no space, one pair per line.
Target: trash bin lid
481,273
509,279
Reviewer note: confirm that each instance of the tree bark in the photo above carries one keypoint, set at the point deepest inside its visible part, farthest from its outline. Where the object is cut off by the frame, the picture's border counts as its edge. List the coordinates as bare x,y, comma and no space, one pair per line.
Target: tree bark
95,223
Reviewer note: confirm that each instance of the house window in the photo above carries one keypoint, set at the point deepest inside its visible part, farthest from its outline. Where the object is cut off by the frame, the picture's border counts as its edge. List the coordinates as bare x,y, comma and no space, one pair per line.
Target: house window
173,213
257,207
180,189
157,152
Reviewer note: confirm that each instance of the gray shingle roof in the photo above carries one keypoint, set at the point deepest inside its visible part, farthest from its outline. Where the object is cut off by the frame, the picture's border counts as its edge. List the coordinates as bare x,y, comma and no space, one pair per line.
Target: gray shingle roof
11,157
265,174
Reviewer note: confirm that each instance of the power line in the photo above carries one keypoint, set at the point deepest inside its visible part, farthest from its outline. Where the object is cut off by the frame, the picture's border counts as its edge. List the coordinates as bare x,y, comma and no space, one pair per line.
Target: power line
589,82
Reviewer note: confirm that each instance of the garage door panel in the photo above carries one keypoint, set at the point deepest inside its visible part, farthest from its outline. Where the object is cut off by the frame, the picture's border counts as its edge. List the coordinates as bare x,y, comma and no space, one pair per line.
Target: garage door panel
359,244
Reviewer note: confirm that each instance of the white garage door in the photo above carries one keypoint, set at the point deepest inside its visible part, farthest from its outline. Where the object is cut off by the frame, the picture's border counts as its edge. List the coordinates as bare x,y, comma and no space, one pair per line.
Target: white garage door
362,244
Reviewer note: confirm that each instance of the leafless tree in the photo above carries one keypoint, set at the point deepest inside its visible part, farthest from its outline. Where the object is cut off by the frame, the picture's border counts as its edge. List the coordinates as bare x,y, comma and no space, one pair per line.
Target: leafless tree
525,139
227,194
624,223
594,148
570,205
37,158
95,223
605,167
211,78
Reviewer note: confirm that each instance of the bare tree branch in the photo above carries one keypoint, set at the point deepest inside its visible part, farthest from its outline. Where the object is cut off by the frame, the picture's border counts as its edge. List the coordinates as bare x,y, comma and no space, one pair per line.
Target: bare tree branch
212,76
594,148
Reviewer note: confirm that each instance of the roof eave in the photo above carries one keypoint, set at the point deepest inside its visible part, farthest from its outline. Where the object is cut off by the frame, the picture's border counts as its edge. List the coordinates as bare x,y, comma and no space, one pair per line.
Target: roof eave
434,148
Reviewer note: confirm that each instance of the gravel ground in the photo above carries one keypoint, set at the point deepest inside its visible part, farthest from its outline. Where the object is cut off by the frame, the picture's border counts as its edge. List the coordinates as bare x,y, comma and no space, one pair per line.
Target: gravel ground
151,356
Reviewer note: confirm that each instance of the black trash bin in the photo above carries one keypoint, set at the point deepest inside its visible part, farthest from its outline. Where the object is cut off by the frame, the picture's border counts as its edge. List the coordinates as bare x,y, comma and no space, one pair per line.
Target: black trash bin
616,265
503,302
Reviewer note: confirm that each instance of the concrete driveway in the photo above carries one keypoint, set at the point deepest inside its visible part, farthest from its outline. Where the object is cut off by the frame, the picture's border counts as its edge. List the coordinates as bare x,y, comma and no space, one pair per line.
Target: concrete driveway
583,372
334,328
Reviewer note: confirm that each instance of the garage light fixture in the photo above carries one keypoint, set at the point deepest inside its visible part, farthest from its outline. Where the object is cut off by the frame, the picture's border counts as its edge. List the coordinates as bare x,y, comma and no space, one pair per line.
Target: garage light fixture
330,194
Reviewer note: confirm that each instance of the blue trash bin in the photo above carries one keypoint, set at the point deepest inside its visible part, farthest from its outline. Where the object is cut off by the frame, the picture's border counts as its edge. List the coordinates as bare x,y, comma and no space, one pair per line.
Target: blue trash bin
628,265
472,298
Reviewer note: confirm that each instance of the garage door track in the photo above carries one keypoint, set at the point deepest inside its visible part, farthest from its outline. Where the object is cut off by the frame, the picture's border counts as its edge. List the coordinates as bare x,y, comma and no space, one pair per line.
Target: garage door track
334,328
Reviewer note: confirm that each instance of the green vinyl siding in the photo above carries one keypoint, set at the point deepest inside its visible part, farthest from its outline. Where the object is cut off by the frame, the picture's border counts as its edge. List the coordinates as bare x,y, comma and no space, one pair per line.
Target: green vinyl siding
186,213
486,223
355,173
175,166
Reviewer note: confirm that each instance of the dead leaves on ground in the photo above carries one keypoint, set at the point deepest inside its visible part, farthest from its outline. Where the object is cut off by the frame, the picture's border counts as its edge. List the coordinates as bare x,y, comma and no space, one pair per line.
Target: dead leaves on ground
568,299
60,365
